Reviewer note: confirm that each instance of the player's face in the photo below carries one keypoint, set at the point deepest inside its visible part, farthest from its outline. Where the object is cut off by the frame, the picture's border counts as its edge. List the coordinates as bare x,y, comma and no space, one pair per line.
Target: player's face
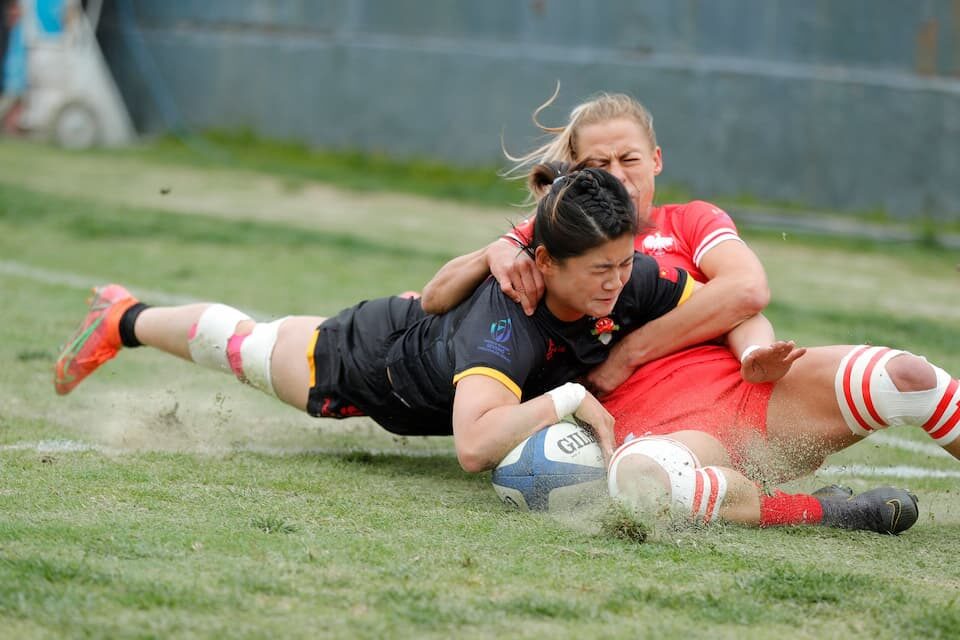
589,284
622,147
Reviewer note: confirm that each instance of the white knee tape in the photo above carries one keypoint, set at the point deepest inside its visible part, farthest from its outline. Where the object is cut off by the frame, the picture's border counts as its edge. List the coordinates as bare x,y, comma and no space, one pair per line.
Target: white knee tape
208,344
943,423
869,400
861,373
256,353
694,491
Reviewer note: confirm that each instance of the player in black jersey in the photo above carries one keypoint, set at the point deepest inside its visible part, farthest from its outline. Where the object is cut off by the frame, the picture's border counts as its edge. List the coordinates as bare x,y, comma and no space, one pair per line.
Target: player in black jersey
484,372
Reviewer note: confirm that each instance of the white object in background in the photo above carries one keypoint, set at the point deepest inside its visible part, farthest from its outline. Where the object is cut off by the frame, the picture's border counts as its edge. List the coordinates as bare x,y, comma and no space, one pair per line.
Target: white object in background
71,97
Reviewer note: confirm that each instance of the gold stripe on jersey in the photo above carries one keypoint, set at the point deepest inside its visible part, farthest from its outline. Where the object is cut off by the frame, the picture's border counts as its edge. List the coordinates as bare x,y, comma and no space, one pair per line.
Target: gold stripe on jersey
687,290
490,373
311,350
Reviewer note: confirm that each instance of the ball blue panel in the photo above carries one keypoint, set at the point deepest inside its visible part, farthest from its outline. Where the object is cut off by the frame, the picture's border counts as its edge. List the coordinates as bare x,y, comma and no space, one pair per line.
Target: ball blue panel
535,476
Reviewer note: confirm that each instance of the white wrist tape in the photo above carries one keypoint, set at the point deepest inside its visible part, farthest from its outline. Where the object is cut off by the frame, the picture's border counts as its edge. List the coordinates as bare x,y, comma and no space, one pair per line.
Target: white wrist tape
748,351
567,398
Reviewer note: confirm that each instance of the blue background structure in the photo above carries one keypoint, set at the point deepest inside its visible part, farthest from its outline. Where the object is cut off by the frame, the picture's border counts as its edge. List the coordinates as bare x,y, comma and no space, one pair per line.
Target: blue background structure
849,105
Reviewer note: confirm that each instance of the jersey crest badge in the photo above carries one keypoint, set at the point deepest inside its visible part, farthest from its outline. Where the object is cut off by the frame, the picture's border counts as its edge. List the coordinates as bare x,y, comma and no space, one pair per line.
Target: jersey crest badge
604,328
657,244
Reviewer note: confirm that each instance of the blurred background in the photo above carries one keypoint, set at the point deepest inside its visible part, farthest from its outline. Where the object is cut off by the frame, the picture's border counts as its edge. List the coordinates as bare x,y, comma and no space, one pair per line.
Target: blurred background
848,106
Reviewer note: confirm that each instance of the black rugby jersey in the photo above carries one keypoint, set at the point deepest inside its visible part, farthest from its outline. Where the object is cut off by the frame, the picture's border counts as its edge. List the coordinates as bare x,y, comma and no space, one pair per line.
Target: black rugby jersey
488,334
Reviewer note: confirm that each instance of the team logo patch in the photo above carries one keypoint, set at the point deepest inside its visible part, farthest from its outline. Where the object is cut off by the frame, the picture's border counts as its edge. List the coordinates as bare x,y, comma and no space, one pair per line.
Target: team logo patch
604,328
657,245
501,330
500,333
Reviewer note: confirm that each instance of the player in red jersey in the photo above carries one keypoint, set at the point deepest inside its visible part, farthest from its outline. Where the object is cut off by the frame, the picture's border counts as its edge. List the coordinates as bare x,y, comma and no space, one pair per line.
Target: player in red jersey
683,410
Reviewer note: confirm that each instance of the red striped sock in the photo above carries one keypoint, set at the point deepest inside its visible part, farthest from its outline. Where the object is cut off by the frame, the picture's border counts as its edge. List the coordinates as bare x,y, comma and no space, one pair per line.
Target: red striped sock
789,508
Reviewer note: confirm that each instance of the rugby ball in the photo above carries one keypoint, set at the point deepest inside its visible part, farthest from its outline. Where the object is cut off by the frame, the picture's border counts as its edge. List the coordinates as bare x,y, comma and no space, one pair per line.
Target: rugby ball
557,468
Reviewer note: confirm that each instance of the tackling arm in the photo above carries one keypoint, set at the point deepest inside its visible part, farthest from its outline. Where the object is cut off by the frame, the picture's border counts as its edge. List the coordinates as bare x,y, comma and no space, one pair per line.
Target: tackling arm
455,281
736,290
513,269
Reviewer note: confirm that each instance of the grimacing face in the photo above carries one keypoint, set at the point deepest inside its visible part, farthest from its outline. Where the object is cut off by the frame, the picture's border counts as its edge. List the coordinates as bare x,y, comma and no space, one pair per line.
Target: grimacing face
622,147
588,284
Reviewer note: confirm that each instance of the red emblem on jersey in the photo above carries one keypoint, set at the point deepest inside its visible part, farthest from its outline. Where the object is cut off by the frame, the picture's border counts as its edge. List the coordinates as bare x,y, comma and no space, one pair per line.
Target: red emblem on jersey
553,349
604,328
669,273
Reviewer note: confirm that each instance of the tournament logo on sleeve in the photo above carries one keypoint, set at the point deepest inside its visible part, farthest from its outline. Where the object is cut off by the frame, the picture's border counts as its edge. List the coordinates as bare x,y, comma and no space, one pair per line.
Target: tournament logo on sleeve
500,333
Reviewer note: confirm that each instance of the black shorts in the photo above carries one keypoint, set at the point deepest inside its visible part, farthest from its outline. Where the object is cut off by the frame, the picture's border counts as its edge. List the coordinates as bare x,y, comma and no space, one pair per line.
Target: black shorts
349,369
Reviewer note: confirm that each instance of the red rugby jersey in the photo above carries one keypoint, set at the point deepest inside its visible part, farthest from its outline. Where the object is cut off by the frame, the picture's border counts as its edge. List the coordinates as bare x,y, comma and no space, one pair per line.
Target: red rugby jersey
681,234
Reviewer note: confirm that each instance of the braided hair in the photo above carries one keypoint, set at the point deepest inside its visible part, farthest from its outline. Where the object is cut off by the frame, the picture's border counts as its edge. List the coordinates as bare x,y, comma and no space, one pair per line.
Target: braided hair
581,209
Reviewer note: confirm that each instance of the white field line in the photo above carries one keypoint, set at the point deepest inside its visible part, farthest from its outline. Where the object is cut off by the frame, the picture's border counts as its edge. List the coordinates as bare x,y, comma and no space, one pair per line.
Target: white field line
927,448
898,471
73,446
61,278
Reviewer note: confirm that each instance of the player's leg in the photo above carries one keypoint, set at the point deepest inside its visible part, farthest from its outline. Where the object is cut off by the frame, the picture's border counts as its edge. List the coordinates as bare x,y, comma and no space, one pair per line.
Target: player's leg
804,422
835,396
656,470
270,356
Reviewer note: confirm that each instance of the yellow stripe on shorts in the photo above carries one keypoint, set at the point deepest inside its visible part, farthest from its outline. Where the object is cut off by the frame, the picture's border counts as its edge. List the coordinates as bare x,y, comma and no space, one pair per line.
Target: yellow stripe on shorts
311,350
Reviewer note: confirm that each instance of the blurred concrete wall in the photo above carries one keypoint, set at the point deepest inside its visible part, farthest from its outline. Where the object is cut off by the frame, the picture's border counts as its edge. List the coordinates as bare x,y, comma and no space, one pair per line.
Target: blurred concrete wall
847,104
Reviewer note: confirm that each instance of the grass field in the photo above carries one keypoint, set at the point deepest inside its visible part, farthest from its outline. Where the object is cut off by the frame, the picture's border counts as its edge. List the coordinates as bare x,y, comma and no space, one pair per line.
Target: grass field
162,500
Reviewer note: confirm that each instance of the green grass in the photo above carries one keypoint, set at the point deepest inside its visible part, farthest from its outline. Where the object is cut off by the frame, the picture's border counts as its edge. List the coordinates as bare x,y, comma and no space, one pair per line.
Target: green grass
194,507
296,163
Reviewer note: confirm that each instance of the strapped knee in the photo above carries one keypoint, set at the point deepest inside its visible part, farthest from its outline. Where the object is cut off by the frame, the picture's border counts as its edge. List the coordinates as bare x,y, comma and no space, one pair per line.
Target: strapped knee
208,338
696,492
869,400
214,343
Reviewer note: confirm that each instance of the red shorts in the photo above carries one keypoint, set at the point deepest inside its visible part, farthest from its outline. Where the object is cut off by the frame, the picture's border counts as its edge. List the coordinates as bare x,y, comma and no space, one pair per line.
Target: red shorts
697,389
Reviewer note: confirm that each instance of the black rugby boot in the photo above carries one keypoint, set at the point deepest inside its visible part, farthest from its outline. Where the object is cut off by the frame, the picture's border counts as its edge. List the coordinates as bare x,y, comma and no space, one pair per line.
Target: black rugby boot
883,510
834,491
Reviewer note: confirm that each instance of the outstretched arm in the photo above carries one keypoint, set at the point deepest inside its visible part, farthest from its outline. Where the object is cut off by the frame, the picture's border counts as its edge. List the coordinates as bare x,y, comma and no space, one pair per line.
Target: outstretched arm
489,420
736,290
762,357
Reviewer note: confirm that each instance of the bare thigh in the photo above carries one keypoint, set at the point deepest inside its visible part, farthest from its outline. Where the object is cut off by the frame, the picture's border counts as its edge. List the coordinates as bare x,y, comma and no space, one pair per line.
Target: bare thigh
707,448
289,366
804,423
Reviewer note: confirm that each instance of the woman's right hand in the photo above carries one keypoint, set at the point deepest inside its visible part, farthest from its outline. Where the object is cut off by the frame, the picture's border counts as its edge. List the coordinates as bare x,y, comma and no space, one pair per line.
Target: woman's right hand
592,412
519,278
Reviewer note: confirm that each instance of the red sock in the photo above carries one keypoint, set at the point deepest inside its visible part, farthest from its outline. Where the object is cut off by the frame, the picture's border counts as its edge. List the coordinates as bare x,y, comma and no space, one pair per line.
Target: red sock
789,508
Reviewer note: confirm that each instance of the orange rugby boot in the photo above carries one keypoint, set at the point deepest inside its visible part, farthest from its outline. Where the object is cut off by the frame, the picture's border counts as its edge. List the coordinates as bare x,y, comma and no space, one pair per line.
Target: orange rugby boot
96,340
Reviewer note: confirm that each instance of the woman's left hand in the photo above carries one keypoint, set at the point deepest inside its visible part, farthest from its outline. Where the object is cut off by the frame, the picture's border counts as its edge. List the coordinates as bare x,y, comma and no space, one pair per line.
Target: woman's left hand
770,363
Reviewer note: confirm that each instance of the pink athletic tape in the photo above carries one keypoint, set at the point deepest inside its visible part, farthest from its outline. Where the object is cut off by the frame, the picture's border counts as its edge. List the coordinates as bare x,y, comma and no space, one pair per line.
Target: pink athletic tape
233,355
